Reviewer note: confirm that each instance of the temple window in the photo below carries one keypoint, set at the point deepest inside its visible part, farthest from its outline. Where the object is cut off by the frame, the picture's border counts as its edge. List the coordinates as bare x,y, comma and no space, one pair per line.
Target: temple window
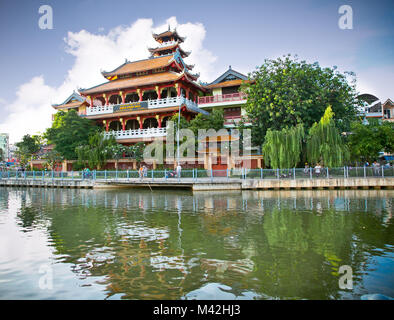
132,124
115,126
141,73
164,121
115,99
150,123
131,97
149,95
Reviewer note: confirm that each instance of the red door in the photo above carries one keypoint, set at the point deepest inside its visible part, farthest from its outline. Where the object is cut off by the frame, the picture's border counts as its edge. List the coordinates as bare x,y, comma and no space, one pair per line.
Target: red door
219,169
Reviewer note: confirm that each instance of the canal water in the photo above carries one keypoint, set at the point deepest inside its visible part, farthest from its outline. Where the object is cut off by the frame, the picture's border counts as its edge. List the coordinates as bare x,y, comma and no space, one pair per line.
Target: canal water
138,244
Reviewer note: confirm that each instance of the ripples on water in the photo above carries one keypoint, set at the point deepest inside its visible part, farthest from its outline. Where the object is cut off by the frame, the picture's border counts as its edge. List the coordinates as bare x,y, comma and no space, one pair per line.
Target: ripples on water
137,244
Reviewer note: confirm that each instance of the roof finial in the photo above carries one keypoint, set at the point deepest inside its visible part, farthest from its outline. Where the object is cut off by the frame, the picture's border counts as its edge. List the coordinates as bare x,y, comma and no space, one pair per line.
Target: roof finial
169,27
229,66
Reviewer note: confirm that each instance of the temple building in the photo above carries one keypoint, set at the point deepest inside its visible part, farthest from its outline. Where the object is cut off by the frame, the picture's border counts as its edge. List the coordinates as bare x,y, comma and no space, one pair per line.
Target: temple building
225,94
138,98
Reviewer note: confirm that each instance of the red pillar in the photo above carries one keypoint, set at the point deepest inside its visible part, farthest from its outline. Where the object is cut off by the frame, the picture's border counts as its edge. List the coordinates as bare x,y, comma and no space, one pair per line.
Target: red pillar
91,101
141,122
139,94
159,121
123,125
178,90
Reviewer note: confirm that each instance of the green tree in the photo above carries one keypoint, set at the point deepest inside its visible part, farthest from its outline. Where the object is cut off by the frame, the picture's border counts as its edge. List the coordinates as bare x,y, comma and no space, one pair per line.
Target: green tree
136,151
96,153
215,120
26,148
325,144
286,92
367,140
51,158
282,148
69,131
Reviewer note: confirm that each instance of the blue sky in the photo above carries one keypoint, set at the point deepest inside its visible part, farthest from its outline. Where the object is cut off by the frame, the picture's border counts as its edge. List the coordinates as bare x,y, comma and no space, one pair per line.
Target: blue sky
237,33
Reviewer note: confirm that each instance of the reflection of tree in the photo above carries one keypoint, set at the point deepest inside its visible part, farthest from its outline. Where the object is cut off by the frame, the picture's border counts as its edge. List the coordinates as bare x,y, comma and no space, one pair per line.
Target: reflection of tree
286,248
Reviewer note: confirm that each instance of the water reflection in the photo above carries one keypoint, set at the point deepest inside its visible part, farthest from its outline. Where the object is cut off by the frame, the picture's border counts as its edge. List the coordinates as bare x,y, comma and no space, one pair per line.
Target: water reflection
137,244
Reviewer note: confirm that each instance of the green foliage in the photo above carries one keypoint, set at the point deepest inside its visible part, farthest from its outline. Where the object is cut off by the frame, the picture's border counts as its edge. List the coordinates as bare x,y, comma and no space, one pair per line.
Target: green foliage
287,92
136,151
325,144
69,131
215,120
282,148
97,152
367,140
27,147
52,157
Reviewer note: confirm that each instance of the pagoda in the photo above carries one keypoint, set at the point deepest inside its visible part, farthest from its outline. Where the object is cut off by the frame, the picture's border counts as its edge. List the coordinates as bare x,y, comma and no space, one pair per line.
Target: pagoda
139,97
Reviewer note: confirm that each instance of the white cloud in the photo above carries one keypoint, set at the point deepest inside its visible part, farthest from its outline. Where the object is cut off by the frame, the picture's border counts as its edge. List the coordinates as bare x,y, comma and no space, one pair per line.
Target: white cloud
31,111
377,81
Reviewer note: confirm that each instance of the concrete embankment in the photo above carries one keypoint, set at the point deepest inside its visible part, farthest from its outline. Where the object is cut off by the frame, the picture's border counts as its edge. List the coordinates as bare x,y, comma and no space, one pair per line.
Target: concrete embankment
208,184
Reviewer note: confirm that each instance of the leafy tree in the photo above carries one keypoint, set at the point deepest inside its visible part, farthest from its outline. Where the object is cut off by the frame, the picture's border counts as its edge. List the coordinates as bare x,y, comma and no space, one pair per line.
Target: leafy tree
26,148
367,140
136,151
96,153
52,157
282,148
325,144
69,131
286,92
215,120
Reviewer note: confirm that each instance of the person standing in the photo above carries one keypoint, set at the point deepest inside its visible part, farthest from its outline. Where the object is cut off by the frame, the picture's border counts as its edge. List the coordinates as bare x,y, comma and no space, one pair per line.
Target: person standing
178,170
145,171
141,172
318,169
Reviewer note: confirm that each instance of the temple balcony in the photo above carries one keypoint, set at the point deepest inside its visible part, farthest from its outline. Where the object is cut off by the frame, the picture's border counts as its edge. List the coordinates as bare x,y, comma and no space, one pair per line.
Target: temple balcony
166,44
152,104
222,100
137,134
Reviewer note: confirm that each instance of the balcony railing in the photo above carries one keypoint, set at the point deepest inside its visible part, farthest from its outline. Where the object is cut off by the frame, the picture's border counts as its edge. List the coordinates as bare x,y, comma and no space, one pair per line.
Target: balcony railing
239,96
152,104
139,133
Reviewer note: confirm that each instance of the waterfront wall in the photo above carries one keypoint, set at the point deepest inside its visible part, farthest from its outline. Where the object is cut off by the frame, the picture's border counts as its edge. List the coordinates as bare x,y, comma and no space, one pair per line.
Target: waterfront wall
207,184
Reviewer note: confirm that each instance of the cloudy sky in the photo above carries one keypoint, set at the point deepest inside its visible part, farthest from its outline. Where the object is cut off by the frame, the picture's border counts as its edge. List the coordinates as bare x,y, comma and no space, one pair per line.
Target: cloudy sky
41,67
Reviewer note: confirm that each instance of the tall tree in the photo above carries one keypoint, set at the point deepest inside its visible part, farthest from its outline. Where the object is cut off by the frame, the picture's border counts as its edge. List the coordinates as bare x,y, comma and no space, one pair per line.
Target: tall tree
26,148
282,148
367,140
69,131
98,150
325,144
286,92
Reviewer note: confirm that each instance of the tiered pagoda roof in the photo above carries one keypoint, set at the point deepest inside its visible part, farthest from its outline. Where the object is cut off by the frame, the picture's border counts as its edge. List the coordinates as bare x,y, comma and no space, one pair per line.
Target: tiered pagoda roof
166,65
169,43
74,101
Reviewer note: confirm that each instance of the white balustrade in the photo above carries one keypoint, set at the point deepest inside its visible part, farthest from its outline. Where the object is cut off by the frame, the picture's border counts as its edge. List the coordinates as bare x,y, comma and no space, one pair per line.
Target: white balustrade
99,110
152,104
166,44
138,133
